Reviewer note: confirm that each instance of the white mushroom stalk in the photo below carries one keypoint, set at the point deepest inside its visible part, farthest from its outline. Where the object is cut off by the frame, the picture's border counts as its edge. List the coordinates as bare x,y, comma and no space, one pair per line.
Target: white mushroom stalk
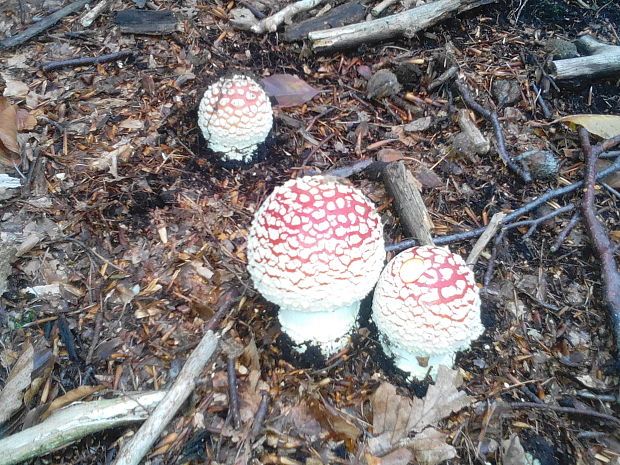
316,250
426,307
235,117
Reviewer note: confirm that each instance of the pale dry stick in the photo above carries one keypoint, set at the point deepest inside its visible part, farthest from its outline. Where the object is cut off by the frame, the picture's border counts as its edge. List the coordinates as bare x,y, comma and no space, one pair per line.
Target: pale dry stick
485,238
136,448
379,7
271,23
88,18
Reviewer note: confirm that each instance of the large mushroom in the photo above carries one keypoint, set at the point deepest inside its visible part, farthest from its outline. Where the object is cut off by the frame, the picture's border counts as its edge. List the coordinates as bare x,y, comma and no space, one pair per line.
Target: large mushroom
316,249
426,307
235,117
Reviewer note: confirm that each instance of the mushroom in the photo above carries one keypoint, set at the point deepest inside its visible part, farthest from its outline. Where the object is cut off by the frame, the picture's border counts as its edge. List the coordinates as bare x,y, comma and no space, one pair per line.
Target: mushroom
234,117
426,307
316,249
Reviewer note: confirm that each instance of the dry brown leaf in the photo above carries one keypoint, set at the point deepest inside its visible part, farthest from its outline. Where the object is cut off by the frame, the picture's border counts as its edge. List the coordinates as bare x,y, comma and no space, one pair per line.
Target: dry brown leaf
430,447
70,397
400,456
9,148
25,120
334,420
395,416
288,90
388,155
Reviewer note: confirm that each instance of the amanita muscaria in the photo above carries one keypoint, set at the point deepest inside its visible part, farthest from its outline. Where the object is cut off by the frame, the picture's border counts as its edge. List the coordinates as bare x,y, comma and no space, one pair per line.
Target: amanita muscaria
316,249
426,307
235,117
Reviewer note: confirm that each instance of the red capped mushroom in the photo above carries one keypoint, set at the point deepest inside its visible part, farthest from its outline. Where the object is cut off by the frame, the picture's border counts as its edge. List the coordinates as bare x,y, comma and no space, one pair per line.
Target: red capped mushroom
316,249
426,307
234,117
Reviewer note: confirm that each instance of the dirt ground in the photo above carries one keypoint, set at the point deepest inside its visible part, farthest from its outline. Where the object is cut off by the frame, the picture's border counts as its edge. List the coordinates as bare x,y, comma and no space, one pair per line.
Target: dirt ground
127,231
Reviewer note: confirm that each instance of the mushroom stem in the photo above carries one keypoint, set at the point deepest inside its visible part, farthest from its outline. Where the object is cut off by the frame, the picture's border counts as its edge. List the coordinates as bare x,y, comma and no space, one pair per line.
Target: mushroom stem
327,330
410,362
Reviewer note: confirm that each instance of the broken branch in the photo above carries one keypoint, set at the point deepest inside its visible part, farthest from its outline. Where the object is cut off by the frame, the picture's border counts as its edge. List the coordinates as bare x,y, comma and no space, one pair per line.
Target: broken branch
75,62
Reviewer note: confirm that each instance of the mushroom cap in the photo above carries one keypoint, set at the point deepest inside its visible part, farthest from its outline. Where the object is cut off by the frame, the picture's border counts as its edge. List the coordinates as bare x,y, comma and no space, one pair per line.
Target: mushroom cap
235,116
426,302
315,244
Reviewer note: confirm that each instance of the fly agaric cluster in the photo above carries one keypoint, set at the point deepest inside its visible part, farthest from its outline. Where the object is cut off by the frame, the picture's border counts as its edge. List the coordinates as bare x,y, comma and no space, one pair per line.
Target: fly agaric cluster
316,249
235,117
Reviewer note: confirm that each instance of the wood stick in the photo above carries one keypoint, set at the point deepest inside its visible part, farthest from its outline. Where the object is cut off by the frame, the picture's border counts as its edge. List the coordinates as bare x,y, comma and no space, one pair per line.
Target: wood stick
600,60
409,204
136,448
74,422
271,23
485,238
406,24
75,62
42,25
88,18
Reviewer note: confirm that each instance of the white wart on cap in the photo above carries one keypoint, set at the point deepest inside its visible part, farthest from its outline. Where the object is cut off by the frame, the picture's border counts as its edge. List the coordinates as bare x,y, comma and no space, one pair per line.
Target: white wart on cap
316,250
426,307
234,117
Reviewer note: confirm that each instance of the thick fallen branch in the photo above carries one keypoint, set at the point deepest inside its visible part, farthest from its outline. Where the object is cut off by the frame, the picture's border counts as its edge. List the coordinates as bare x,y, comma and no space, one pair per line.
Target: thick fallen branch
74,422
603,245
409,204
600,60
42,25
75,62
271,23
405,24
336,17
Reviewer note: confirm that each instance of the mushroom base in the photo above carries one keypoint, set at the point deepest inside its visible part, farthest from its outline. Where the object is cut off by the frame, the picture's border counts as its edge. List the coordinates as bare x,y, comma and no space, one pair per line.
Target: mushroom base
410,362
327,330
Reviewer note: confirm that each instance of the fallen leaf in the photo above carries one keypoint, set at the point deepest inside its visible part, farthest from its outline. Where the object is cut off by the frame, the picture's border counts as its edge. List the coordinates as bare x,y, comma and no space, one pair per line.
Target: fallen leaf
388,155
14,87
430,447
9,148
427,177
333,419
70,397
420,124
395,416
25,120
401,456
605,126
288,90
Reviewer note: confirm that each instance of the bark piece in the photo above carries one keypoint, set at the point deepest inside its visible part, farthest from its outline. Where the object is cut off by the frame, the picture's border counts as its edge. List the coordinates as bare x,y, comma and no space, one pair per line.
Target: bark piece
406,24
146,22
600,60
479,143
409,203
342,15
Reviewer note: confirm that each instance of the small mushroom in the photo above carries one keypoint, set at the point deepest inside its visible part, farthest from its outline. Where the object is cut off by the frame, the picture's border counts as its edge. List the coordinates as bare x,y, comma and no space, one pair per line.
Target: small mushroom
235,117
426,307
316,249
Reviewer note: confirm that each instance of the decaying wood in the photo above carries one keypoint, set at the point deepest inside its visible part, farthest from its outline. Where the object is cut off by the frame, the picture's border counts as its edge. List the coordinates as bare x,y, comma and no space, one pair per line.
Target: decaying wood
406,24
146,22
76,421
136,448
336,17
604,247
42,25
409,204
600,60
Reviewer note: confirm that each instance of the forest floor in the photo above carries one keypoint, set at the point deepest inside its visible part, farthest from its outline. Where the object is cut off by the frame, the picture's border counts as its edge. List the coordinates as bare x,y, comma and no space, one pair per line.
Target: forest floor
126,232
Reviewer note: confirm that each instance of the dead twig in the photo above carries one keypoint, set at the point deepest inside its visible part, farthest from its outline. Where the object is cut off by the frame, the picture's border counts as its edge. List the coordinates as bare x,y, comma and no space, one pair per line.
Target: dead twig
271,23
533,223
497,127
75,62
42,25
233,394
572,410
566,231
603,245
543,105
261,413
485,238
